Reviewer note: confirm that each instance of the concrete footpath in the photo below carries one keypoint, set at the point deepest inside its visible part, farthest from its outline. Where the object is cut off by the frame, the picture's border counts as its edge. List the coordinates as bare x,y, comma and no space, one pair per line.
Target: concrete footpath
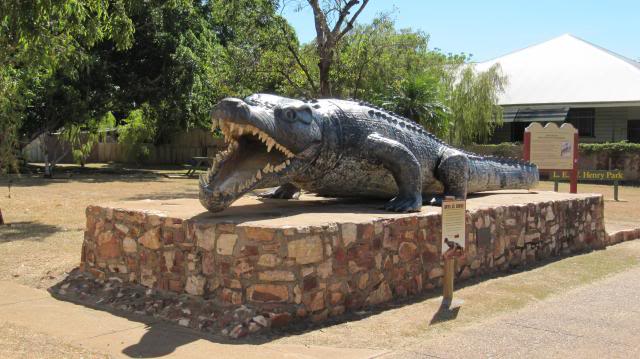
102,332
600,320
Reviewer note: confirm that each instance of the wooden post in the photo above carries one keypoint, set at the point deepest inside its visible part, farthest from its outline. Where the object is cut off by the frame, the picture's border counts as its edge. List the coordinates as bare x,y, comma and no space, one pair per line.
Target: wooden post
1,219
526,154
615,190
555,185
573,187
447,282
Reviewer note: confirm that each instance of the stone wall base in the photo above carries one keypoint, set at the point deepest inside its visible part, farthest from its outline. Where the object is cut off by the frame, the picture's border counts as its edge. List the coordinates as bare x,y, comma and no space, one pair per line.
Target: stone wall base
309,260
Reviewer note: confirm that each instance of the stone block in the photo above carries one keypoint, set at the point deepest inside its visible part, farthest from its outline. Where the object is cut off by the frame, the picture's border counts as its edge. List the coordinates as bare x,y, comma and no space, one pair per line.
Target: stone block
226,243
276,276
436,272
407,251
380,295
269,260
151,239
129,245
206,238
108,246
195,285
325,269
305,251
349,233
314,301
268,293
260,234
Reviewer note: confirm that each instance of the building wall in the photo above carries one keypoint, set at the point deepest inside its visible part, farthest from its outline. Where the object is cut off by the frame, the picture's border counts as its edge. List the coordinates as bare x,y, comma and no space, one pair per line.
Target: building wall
502,134
610,125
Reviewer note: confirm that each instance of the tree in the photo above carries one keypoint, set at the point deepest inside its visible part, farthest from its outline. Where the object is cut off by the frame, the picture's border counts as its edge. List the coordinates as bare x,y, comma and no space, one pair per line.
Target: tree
82,138
38,39
418,98
332,22
138,132
258,44
473,100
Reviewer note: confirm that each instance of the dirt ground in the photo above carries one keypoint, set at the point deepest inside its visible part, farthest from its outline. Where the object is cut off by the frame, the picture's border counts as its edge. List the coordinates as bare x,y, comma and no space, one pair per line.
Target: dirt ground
42,242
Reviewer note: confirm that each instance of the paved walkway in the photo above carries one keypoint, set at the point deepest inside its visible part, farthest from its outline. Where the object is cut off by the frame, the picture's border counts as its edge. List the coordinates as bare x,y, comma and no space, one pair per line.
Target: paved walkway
102,332
601,320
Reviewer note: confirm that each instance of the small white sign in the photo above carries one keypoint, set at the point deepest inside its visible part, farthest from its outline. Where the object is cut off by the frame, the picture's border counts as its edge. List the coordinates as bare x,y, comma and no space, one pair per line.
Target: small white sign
453,225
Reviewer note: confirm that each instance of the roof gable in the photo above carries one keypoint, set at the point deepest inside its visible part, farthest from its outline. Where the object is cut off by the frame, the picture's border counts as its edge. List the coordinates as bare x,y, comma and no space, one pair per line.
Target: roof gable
567,70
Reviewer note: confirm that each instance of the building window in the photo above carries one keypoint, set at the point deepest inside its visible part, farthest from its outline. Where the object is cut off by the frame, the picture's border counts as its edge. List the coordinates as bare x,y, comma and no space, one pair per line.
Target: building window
583,119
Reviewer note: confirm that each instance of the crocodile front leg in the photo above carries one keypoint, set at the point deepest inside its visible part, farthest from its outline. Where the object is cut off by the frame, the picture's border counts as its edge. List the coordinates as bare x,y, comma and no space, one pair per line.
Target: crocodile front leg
404,167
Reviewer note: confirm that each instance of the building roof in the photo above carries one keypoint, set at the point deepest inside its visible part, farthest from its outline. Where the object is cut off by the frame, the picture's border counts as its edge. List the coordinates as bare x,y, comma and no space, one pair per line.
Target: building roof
567,70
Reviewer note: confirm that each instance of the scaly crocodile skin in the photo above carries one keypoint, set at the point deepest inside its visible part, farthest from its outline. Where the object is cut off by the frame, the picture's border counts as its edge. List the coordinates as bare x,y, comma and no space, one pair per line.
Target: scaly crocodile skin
339,148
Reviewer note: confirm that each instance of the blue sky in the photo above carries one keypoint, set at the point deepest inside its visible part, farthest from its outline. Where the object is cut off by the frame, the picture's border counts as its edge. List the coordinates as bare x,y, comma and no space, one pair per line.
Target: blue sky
491,28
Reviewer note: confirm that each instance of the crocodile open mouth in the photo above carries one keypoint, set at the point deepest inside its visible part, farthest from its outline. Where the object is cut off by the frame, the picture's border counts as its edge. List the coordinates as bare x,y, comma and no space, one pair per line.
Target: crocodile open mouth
252,159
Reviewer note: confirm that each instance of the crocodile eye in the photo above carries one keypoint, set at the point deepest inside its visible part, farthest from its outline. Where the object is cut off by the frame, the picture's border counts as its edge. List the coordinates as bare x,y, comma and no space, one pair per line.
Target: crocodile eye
290,115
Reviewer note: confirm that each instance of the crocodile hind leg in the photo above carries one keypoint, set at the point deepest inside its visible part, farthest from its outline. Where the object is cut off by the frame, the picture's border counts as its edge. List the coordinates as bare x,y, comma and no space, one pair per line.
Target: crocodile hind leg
286,191
453,172
404,167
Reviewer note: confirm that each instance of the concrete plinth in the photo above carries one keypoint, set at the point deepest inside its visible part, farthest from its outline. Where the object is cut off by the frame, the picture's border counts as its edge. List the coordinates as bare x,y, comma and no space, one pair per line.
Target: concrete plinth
315,258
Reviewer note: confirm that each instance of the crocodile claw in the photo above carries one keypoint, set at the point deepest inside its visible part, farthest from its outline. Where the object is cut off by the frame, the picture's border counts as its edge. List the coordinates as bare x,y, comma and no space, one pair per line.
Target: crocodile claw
282,192
411,203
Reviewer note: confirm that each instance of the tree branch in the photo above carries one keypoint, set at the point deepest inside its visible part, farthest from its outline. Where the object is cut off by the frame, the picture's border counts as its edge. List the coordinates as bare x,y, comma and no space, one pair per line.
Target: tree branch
342,15
352,20
322,30
296,57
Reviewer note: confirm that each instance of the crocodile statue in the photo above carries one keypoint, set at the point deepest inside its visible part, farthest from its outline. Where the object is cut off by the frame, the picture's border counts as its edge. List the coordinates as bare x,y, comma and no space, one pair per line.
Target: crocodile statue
339,148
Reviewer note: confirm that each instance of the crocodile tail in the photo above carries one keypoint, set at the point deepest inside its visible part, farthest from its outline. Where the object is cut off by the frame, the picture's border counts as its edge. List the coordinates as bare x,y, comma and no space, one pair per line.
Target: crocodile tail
495,173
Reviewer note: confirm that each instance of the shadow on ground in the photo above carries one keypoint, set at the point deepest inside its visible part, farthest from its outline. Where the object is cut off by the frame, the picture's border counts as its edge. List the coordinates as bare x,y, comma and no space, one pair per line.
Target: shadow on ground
163,337
32,231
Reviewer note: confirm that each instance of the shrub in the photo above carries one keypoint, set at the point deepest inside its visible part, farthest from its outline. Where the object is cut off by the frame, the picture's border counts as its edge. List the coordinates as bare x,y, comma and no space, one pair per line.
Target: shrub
138,131
611,147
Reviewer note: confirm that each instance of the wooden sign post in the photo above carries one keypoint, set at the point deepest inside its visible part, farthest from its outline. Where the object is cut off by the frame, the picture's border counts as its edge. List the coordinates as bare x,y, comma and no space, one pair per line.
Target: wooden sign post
454,230
553,148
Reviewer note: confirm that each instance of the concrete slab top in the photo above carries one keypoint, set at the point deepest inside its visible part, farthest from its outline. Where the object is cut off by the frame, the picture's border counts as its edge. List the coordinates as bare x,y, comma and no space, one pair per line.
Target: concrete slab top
311,210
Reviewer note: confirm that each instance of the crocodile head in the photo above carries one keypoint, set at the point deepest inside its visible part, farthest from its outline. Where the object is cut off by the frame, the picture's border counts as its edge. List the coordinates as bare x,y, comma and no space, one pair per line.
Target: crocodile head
268,138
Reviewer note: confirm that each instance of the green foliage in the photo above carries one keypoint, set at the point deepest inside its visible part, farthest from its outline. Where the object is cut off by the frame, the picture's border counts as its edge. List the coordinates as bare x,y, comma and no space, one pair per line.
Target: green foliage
473,100
65,63
610,147
417,98
505,149
83,137
375,58
37,40
137,132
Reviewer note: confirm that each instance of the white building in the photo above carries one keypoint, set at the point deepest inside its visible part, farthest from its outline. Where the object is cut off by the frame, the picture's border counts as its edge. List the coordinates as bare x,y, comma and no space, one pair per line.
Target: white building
567,79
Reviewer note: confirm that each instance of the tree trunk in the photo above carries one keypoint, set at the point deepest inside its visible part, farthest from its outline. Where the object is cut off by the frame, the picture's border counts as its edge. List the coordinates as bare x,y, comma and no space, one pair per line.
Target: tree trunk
325,82
48,168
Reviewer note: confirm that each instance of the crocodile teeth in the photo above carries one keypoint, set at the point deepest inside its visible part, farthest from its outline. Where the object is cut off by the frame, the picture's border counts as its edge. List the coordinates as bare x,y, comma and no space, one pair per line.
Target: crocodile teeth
259,175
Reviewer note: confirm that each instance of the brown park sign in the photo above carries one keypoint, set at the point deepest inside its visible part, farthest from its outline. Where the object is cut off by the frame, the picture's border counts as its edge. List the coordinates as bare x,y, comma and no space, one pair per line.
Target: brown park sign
553,148
591,175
